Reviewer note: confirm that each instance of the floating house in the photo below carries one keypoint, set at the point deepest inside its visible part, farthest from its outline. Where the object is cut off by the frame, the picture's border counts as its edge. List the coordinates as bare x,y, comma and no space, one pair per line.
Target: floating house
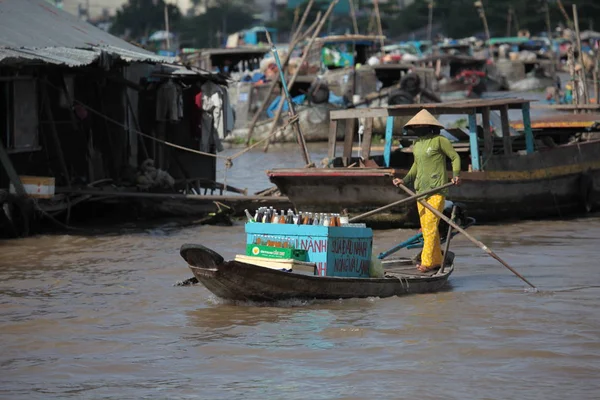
90,119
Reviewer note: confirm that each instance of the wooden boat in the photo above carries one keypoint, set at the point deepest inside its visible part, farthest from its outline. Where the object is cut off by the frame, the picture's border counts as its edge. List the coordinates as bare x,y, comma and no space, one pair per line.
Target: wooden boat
539,173
465,75
235,280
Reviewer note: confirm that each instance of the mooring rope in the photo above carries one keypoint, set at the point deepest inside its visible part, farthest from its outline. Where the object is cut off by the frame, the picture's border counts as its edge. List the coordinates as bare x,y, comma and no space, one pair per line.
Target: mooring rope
228,159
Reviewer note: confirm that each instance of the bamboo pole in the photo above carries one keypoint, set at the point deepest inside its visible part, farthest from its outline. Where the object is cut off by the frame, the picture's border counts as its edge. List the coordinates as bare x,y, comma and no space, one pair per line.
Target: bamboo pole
379,27
295,22
292,111
167,26
353,15
302,21
564,13
305,55
582,74
430,21
481,10
412,198
596,68
571,65
509,21
293,43
468,236
370,29
553,58
281,103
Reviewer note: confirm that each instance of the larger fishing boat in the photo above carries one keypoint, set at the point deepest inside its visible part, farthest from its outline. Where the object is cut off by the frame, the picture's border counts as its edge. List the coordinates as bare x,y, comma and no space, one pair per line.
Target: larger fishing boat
509,172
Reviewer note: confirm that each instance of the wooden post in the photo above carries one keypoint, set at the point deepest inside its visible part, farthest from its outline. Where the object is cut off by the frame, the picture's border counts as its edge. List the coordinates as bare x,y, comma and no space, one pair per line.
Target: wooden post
137,124
367,137
529,144
353,16
11,172
333,127
596,71
473,142
553,57
571,65
488,140
350,124
583,79
389,137
55,137
505,130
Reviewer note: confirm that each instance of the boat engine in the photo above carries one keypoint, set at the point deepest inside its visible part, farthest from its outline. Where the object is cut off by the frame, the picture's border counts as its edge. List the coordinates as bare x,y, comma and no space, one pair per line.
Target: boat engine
461,217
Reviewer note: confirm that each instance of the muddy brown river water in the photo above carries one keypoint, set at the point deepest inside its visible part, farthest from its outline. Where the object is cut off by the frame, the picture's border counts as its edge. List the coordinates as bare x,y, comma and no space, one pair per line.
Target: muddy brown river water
98,317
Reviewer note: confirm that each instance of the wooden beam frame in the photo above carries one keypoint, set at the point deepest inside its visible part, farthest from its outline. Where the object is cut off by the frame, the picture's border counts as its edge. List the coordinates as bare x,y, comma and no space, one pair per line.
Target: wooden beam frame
349,126
54,132
451,108
506,131
365,151
11,172
389,136
529,144
474,143
333,127
488,139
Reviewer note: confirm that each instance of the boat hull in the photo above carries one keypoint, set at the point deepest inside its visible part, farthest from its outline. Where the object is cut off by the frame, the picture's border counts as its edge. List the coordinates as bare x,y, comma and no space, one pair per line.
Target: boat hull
235,280
555,182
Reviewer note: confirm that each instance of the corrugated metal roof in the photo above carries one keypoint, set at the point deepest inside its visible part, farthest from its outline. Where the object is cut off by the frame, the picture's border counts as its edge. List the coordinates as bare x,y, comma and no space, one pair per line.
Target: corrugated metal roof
34,30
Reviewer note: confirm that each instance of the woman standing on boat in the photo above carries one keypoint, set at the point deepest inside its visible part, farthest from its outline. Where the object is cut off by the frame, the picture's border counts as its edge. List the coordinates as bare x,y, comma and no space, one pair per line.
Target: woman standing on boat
429,172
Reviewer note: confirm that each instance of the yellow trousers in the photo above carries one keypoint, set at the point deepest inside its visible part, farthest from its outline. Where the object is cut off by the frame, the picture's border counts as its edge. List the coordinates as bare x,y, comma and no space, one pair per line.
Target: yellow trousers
432,249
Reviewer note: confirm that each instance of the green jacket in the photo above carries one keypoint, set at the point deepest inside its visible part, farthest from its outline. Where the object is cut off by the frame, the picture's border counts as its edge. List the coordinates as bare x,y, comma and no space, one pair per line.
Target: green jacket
429,168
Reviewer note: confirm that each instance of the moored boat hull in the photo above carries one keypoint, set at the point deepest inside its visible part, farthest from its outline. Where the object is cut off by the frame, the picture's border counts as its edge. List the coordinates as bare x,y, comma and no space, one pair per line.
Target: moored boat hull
556,182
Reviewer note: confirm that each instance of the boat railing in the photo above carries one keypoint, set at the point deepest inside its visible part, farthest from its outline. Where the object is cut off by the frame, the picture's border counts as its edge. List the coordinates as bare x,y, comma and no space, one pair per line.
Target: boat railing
347,120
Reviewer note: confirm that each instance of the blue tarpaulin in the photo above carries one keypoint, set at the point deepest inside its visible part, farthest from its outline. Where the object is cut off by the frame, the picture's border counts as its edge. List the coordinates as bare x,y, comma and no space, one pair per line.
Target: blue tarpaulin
273,107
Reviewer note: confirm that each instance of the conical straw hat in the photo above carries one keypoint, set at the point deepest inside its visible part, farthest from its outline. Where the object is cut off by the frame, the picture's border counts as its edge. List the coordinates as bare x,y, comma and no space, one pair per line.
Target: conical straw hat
424,117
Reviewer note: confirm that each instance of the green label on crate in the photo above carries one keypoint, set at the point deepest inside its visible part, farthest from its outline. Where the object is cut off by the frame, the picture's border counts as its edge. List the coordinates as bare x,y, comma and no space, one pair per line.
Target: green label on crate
275,252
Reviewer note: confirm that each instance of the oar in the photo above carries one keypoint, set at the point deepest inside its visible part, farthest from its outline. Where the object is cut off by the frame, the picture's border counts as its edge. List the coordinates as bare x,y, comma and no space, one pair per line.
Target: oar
414,197
448,238
471,238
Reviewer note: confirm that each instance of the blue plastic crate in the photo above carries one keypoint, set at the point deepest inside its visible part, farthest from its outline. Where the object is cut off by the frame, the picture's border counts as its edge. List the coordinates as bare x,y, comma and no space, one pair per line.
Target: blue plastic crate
337,251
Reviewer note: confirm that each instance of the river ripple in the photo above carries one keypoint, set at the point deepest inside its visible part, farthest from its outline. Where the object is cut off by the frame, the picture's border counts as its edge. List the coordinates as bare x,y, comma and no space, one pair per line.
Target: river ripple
94,317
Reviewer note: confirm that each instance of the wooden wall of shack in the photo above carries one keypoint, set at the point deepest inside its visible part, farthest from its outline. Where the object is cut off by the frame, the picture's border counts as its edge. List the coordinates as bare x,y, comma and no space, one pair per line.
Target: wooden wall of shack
93,146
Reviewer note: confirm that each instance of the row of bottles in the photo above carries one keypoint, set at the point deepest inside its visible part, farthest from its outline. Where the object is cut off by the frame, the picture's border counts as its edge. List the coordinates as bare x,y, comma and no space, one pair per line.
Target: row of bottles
268,215
275,241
